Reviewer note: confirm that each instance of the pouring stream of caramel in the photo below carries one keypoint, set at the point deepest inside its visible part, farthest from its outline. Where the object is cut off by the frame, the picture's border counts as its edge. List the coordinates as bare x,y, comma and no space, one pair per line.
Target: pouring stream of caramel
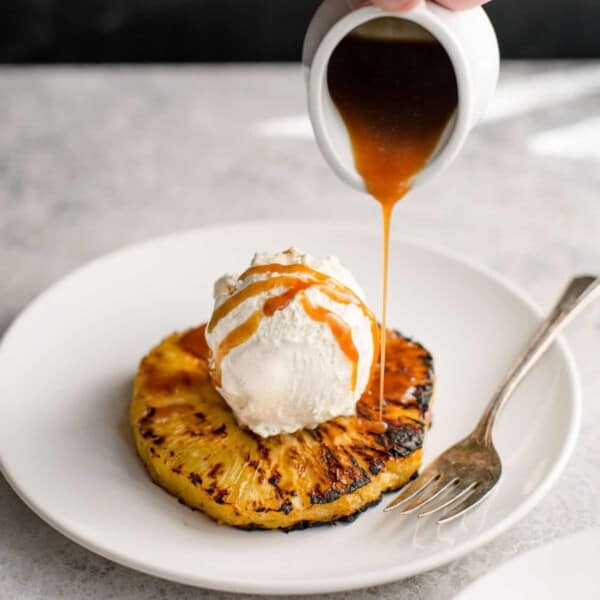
395,97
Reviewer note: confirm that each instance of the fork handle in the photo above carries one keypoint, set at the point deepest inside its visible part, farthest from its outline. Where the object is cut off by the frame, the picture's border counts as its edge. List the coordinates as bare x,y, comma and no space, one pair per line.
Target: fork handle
579,293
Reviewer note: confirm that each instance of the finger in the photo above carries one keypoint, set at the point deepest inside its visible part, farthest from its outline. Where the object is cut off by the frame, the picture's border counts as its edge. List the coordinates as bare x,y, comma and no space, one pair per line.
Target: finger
353,4
461,4
396,5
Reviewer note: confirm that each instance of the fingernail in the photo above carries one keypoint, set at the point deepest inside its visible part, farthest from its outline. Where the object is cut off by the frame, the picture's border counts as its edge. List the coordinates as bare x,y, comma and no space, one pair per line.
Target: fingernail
396,5
354,4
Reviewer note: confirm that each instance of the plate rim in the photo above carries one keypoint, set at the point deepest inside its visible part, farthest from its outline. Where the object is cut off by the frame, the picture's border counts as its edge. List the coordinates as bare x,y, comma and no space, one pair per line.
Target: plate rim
337,583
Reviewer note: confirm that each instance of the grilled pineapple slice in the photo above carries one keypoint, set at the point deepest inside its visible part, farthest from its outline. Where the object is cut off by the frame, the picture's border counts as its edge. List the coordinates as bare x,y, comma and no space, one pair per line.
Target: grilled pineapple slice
192,446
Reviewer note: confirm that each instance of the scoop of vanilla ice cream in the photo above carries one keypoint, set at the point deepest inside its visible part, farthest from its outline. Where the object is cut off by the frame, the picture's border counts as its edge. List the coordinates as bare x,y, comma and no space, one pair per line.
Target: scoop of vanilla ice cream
291,372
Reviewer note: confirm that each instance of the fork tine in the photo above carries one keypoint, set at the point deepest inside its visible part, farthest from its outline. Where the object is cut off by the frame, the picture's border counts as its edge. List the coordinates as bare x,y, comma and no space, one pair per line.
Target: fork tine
479,494
413,489
431,493
461,492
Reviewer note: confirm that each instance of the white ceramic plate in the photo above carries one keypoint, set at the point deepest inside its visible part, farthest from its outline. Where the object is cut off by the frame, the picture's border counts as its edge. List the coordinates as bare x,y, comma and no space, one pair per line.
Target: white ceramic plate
66,367
565,568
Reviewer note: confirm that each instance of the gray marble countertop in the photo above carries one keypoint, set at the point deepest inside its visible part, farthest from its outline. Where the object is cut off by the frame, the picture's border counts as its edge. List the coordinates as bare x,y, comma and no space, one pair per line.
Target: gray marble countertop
94,159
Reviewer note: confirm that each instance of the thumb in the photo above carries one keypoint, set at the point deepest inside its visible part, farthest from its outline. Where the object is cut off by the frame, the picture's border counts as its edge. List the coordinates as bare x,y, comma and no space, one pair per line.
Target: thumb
390,5
461,4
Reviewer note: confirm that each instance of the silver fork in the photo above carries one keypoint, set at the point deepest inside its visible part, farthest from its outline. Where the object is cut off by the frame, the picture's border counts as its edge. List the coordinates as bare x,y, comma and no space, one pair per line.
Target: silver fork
464,475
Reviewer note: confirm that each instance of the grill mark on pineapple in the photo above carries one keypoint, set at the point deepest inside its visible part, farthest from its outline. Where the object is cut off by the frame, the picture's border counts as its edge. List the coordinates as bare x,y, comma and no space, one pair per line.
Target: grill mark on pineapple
285,507
261,475
195,478
147,433
191,433
423,394
335,424
146,420
169,383
274,481
401,441
376,467
316,434
219,497
216,470
344,479
164,414
418,422
263,451
307,524
221,430
373,458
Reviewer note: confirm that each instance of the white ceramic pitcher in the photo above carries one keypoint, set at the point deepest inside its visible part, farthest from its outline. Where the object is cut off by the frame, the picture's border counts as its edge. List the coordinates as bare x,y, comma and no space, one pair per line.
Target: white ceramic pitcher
470,41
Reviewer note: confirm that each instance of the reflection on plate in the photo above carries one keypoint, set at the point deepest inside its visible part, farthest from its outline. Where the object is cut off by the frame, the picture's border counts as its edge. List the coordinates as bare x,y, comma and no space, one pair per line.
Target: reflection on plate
66,367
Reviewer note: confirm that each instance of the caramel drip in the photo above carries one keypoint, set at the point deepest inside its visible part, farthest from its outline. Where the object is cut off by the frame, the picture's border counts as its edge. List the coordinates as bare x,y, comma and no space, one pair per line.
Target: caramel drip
296,268
341,331
395,98
367,426
386,213
194,342
235,338
334,290
351,298
344,297
255,288
272,305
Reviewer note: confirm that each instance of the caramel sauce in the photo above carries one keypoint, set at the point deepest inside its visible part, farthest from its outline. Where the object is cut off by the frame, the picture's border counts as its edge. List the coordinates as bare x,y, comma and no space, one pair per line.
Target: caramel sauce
258,287
347,298
294,286
194,342
236,337
296,268
395,98
367,426
272,305
341,331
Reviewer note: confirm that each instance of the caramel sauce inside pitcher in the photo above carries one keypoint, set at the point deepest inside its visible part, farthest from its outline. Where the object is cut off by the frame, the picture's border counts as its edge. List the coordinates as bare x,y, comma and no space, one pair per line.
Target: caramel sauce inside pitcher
396,91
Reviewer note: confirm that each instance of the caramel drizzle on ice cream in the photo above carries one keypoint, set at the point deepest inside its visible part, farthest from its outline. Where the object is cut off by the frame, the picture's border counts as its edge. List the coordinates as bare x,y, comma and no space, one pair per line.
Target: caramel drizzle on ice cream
295,279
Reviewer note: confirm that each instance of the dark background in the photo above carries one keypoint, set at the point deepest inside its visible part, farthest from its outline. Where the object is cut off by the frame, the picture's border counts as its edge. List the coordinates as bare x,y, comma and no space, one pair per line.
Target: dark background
80,31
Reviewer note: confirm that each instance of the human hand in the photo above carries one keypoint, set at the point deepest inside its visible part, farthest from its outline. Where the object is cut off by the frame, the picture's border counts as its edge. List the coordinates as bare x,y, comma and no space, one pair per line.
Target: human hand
402,5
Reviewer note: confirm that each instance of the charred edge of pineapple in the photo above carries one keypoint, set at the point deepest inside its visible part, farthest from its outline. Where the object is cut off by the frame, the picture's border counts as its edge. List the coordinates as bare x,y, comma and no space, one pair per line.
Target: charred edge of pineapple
424,392
308,524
